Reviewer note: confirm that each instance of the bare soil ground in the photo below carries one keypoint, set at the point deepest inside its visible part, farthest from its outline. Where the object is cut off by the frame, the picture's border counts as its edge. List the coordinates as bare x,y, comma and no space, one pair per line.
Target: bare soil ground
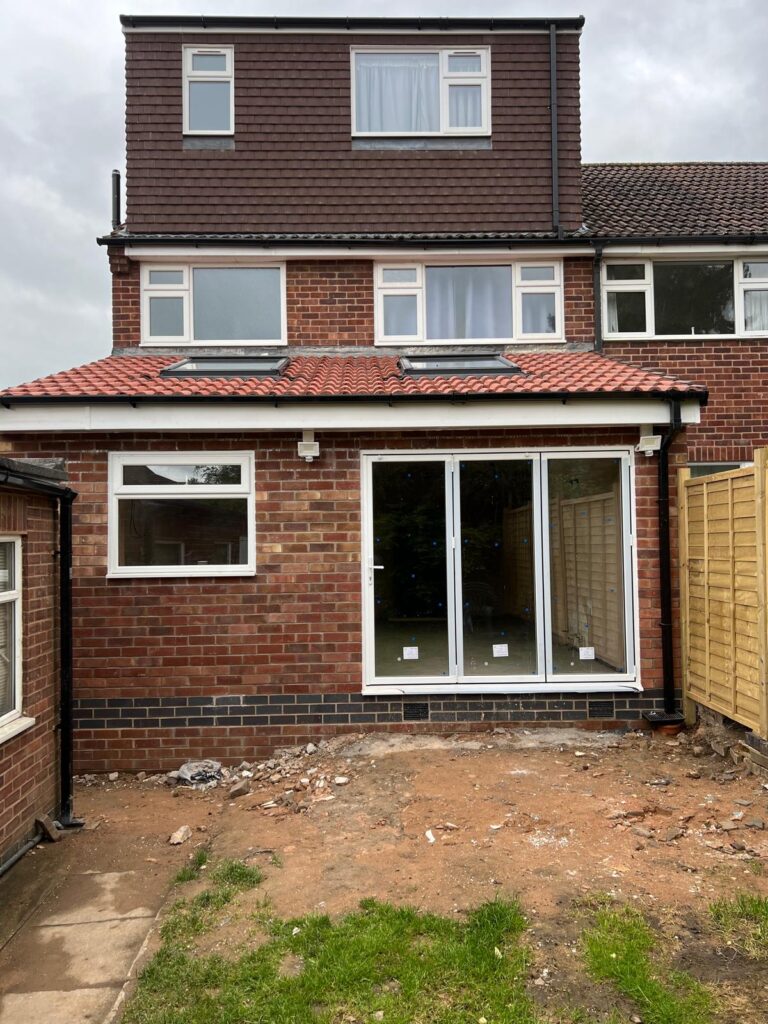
550,817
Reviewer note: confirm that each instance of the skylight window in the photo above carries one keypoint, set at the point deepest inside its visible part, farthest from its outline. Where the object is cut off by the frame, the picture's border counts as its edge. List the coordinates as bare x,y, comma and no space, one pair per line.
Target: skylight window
247,366
456,366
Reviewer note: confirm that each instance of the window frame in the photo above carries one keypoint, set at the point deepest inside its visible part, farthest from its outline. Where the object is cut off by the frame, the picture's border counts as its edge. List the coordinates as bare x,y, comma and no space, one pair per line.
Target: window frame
186,292
189,75
740,286
16,598
518,288
447,78
117,490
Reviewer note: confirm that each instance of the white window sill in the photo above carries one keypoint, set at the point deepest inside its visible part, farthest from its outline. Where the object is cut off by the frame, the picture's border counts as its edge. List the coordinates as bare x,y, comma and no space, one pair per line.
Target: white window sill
684,337
181,343
499,343
14,727
513,689
185,572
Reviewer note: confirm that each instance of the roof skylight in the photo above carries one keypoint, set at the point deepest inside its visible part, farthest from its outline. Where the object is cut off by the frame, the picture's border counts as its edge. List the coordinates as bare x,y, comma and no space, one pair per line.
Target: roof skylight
227,366
456,365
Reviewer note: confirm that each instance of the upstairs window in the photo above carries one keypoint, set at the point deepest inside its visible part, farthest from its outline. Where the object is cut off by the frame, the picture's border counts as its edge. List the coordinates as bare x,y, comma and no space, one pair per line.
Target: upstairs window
678,298
483,304
213,305
421,92
209,90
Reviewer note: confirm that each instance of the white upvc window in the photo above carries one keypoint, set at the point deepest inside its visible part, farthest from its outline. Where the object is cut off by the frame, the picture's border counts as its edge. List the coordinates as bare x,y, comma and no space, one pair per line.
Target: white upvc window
181,514
484,304
213,305
10,631
421,91
209,90
683,296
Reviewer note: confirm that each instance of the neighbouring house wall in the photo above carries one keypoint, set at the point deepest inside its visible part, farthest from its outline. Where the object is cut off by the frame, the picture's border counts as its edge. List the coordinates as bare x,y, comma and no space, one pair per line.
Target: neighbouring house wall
330,302
232,667
29,762
292,166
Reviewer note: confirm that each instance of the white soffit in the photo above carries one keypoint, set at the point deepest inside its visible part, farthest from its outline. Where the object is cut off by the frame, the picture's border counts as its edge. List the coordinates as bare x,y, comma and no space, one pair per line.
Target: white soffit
254,253
214,417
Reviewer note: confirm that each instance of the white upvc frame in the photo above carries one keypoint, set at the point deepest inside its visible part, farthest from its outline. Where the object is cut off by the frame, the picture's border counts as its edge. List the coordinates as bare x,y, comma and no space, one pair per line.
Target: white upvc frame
447,78
518,288
14,597
190,75
545,680
185,291
740,286
118,490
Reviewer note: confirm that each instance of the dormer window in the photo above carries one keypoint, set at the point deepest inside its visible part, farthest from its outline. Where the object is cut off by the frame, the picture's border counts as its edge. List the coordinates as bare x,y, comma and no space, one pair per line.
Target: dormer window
209,90
430,91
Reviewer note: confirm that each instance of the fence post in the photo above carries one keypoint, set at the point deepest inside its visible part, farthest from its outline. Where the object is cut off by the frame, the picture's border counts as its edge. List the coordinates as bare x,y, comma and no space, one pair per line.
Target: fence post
761,510
683,474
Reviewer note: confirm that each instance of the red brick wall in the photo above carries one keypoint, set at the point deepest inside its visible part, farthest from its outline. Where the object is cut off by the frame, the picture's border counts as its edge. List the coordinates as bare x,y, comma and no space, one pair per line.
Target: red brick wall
29,761
330,302
294,628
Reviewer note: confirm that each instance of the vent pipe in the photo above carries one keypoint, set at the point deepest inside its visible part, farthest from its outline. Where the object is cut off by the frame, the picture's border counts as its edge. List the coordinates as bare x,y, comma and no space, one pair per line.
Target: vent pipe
116,219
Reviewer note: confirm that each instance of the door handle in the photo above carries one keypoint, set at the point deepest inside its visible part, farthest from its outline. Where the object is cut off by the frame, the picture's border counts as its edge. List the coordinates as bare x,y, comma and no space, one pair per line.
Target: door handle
377,566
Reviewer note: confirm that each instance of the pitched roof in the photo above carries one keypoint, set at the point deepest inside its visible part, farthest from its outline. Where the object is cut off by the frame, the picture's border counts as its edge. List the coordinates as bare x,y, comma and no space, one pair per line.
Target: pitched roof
311,378
690,199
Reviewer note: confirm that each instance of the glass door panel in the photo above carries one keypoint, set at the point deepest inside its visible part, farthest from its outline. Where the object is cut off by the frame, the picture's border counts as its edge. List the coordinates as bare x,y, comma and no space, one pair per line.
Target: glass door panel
409,570
587,560
498,559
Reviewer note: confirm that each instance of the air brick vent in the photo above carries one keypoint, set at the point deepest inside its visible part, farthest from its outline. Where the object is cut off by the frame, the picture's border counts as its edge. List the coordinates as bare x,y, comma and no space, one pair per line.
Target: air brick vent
601,709
416,711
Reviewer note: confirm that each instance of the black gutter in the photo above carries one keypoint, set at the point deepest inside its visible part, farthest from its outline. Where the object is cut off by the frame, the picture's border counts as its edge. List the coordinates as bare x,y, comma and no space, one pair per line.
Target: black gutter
553,151
671,715
275,24
597,297
65,496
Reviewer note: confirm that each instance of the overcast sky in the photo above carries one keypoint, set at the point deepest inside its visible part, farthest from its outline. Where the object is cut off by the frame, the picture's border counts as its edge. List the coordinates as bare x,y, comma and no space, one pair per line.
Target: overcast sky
661,80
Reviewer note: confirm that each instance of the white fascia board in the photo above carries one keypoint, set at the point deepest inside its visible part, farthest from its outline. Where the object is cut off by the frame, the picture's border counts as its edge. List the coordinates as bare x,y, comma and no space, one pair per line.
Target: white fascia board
691,249
240,31
271,253
215,417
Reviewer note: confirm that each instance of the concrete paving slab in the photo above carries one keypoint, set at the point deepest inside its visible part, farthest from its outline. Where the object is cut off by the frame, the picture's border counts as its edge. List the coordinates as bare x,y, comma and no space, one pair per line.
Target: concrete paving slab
99,897
75,1006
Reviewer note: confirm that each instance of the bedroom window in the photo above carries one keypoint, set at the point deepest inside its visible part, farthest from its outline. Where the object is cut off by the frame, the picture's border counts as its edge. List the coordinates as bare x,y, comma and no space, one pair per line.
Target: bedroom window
421,92
209,90
181,514
10,629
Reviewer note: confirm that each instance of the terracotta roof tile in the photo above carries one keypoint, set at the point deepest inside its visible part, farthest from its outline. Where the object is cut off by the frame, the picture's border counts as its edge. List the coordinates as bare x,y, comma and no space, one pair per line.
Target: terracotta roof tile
328,377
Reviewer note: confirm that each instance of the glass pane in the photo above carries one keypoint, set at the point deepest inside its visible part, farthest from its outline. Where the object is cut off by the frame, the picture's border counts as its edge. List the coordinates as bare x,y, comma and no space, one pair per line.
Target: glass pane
756,270
464,62
398,275
7,567
209,106
410,591
465,106
155,474
166,316
397,92
626,313
497,568
693,298
183,531
625,271
400,317
756,309
710,468
537,273
237,304
7,675
469,302
166,277
539,316
586,540
209,62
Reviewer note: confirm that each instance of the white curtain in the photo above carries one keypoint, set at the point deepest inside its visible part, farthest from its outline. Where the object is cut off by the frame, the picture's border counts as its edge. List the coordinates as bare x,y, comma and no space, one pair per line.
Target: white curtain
469,302
756,310
539,313
465,106
397,92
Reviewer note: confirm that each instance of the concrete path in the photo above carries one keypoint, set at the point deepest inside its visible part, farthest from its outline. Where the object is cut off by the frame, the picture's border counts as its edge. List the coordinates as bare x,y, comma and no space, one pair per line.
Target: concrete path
71,959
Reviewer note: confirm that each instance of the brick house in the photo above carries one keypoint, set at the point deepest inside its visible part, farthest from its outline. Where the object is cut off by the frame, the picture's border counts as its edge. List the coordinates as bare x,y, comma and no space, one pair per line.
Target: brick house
396,387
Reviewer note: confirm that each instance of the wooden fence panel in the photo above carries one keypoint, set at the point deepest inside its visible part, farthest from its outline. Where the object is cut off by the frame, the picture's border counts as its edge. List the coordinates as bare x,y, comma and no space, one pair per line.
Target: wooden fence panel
723,592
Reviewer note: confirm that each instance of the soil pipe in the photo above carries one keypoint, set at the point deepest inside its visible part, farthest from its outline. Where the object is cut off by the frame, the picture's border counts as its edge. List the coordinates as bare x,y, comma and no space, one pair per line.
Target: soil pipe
671,714
66,717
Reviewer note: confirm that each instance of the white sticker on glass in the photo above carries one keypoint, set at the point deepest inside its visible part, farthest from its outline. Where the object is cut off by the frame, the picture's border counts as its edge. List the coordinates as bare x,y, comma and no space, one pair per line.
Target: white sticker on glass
410,654
501,650
587,653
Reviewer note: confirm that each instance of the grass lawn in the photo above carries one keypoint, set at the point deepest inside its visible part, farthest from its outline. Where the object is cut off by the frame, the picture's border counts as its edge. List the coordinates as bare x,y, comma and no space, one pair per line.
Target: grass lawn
397,965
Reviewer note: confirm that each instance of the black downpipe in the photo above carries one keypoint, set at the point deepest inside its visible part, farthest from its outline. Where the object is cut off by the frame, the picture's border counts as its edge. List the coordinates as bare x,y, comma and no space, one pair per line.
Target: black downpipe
597,297
66,717
116,219
665,568
555,160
